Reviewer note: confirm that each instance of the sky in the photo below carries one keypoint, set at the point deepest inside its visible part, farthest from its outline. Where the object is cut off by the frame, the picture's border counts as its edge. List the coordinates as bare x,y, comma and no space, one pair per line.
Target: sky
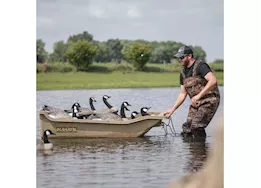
192,22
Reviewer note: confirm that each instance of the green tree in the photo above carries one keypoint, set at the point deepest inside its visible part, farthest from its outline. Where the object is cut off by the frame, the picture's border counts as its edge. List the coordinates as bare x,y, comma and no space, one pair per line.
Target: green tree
82,36
114,49
138,54
59,52
198,53
41,54
81,54
103,53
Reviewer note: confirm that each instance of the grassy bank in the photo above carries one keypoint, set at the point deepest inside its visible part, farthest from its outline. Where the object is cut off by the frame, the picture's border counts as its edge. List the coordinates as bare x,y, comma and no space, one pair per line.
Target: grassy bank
122,67
95,80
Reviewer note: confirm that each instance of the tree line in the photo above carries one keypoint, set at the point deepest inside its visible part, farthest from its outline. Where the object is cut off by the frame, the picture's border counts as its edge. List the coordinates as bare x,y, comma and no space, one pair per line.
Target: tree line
81,50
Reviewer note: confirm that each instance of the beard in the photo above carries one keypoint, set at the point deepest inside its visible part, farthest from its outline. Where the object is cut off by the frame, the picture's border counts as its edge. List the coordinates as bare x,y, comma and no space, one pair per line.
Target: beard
185,63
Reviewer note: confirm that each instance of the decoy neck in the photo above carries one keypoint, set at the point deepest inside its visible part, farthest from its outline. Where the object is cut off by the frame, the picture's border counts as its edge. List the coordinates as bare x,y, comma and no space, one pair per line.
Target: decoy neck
104,98
46,134
124,107
91,100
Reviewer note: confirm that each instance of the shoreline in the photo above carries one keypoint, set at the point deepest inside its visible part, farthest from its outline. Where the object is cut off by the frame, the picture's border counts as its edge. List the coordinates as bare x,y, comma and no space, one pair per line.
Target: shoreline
83,80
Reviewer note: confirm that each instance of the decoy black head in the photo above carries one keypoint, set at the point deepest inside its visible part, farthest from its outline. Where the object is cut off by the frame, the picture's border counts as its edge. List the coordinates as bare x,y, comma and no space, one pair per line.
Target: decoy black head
92,99
126,104
46,134
106,96
134,114
144,110
45,107
76,104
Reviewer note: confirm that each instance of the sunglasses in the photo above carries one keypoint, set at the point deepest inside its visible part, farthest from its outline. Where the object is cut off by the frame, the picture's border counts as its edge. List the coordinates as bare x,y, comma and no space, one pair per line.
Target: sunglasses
182,57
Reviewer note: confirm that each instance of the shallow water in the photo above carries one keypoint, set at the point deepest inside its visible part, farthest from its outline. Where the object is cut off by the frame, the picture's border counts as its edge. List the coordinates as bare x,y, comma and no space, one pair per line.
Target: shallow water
151,161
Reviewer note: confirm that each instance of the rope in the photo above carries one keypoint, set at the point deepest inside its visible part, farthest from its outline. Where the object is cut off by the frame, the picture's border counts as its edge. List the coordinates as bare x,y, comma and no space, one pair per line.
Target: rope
170,126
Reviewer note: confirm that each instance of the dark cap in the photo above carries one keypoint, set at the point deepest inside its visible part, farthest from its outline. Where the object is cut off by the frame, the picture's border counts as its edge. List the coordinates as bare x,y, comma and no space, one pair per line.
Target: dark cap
183,50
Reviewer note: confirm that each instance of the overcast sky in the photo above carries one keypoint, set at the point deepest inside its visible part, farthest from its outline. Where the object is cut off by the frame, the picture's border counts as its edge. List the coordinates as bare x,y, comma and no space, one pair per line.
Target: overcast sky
193,22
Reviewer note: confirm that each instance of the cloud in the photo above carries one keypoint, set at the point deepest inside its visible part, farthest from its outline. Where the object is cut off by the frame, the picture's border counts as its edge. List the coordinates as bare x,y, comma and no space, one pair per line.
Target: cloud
45,22
197,22
133,12
95,11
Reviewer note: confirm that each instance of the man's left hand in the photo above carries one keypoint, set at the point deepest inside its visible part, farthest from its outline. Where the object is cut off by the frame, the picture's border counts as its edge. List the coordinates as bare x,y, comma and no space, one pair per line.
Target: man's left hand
195,99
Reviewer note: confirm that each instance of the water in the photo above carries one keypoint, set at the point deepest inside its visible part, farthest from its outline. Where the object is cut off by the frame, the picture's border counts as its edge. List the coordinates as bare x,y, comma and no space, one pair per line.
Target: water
152,161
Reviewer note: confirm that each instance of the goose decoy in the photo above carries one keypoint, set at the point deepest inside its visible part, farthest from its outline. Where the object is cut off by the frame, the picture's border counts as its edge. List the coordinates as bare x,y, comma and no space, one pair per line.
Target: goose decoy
54,112
109,116
134,114
124,106
144,110
77,109
69,111
45,144
112,108
99,110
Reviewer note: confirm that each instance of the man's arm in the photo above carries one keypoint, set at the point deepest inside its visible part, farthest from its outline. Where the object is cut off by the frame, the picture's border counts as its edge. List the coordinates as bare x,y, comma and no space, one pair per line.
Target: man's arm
182,96
212,81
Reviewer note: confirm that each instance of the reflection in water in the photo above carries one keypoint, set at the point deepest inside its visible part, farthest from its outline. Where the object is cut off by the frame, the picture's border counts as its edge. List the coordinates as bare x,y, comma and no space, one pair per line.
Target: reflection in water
96,144
198,151
45,152
119,162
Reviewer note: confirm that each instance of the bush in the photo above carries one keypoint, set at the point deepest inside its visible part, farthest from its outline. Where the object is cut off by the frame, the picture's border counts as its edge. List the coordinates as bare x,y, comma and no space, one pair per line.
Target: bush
56,67
81,53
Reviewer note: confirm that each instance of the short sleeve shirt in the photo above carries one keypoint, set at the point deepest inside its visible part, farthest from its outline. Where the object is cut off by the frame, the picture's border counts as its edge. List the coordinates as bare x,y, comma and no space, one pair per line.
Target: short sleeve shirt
202,69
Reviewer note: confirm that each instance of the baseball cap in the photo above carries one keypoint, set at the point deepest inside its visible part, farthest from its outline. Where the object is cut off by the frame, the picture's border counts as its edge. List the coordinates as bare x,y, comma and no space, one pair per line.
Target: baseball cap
183,50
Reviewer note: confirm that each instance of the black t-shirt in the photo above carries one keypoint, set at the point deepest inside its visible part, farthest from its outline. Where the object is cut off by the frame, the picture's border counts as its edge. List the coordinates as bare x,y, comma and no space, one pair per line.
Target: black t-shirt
201,70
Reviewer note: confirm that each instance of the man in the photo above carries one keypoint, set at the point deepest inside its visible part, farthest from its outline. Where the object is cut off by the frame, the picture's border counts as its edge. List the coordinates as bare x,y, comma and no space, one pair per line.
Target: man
197,81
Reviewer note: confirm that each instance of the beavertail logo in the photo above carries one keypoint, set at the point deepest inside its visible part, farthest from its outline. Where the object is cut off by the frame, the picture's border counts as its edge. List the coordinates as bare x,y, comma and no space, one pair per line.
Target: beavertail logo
66,129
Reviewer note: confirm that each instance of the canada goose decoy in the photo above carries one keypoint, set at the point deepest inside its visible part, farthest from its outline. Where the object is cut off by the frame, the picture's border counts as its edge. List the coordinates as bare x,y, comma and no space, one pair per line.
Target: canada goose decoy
134,114
77,109
45,144
124,106
109,116
99,110
144,110
54,112
105,98
69,111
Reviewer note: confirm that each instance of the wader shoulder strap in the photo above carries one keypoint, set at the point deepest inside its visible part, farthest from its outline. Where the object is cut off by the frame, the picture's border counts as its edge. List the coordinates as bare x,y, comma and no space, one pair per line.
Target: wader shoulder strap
183,72
195,67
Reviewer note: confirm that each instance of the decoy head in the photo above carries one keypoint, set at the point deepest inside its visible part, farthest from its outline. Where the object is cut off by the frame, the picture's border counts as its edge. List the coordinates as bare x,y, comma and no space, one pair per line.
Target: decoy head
106,97
46,134
92,99
144,110
76,104
134,114
125,105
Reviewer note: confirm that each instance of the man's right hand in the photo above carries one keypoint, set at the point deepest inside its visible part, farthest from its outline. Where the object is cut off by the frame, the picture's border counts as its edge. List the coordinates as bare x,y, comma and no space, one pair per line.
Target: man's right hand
168,113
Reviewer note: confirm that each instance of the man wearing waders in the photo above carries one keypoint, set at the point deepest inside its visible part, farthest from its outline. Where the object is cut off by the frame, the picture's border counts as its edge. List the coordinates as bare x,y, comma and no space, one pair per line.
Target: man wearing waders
197,81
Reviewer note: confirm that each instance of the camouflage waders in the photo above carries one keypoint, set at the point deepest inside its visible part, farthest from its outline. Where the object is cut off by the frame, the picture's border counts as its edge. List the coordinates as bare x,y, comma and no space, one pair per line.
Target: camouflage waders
201,114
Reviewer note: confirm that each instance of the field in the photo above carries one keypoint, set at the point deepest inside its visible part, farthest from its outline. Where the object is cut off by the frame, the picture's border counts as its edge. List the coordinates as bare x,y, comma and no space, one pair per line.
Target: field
115,79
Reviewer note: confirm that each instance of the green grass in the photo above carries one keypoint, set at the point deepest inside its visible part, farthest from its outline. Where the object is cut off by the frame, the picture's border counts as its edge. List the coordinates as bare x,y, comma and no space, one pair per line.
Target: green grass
116,79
